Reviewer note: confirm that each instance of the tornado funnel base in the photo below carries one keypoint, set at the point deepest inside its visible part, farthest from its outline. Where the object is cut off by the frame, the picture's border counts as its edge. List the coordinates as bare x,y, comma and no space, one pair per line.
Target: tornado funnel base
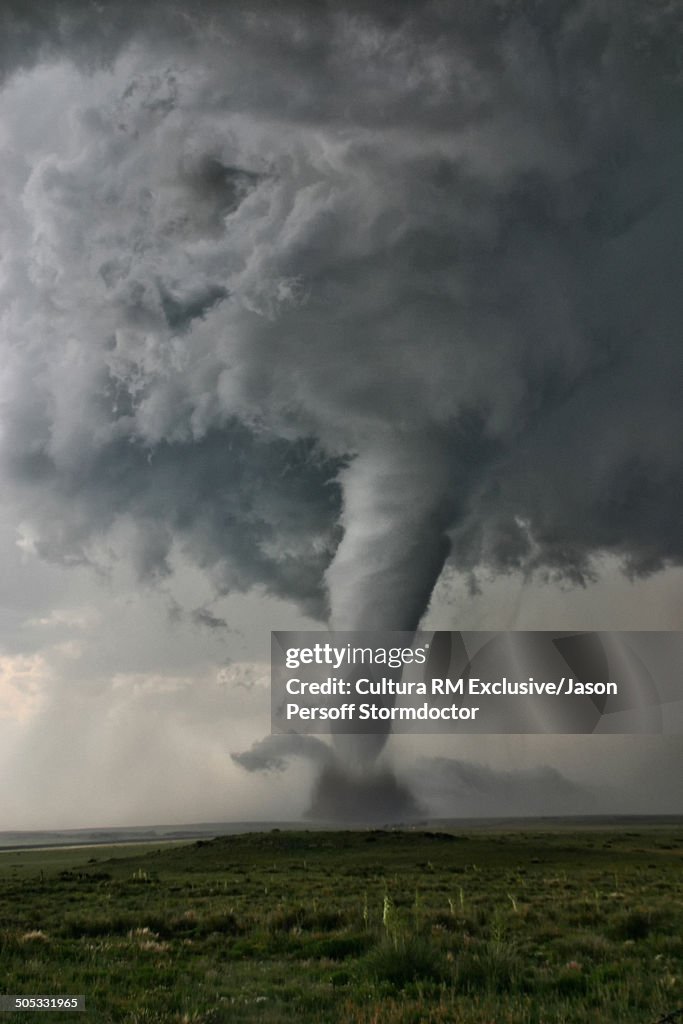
374,796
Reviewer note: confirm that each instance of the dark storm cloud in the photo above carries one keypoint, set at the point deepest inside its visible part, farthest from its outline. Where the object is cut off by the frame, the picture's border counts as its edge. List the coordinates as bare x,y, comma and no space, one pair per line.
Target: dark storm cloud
211,493
324,293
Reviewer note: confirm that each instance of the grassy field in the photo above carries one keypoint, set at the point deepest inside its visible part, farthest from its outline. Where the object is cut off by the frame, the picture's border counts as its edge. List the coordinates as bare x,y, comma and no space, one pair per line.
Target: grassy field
523,927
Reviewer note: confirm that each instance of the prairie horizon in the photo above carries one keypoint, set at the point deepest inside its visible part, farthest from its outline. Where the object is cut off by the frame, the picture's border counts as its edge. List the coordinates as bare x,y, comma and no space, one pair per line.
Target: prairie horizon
80,838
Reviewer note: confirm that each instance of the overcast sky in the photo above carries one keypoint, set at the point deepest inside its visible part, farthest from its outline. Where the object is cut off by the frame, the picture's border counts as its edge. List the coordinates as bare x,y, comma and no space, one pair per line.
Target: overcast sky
357,314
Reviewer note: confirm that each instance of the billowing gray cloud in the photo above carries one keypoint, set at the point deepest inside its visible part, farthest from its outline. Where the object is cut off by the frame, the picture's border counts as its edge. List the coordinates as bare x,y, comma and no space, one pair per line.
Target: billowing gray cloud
329,295
272,753
441,247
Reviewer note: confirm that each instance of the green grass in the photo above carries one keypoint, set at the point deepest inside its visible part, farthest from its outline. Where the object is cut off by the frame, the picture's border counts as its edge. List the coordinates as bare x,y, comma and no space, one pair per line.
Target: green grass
525,927
73,857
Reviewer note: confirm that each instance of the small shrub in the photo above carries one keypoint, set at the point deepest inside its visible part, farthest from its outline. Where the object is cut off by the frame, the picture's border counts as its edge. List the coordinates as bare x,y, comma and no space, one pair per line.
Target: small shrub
634,925
570,982
404,960
489,967
337,947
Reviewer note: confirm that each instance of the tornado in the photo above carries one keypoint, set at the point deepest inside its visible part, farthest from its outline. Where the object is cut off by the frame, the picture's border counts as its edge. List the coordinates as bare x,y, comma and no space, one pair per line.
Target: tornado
326,299
394,546
395,516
